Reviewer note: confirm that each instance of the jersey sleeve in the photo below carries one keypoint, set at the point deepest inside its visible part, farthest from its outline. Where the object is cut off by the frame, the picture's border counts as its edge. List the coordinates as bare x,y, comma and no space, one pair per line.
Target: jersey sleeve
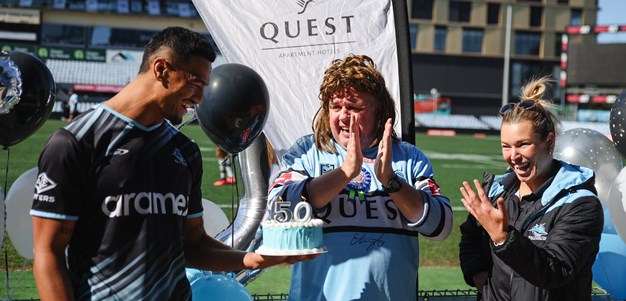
436,221
62,174
291,184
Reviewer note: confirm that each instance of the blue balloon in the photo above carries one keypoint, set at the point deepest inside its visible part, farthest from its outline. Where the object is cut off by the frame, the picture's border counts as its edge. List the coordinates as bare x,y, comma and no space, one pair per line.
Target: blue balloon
609,227
609,269
206,285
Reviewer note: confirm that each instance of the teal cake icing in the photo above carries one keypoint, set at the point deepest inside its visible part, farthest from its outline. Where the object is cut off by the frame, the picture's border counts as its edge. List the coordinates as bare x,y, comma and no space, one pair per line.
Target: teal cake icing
292,238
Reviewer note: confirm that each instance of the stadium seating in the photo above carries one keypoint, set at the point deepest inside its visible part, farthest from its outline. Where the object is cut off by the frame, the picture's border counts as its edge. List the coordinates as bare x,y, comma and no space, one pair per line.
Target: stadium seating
93,73
450,121
81,106
491,123
602,127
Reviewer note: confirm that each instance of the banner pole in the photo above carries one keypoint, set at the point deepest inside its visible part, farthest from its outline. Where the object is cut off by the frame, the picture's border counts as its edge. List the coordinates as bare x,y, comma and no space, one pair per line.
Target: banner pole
405,78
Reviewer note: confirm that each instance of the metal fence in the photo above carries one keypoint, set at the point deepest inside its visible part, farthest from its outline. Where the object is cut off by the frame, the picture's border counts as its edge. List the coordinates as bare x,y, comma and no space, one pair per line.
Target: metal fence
439,295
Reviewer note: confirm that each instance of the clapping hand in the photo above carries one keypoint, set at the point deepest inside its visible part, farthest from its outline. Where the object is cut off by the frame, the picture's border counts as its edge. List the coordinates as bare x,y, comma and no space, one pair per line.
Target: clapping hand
382,165
493,220
354,158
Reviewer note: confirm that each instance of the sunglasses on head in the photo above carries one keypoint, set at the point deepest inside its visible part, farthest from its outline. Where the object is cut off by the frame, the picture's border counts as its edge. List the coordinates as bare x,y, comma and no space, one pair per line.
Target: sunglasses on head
524,104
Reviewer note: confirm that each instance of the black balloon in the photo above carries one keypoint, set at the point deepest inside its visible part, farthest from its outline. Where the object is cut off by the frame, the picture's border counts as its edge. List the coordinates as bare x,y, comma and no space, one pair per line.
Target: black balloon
35,103
234,108
618,123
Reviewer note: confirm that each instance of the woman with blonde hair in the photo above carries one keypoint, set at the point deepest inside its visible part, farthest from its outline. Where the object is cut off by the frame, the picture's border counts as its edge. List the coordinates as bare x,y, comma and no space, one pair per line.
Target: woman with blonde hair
532,233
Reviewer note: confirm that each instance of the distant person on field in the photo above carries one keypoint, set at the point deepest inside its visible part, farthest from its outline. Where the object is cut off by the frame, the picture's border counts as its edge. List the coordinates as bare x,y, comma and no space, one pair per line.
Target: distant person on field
65,109
72,104
225,165
532,233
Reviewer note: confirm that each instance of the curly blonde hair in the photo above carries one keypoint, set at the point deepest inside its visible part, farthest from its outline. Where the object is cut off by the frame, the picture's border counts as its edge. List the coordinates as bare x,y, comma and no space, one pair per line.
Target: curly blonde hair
358,73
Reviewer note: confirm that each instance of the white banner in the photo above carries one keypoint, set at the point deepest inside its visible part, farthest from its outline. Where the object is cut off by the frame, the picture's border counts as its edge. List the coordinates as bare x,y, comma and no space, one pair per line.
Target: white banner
291,42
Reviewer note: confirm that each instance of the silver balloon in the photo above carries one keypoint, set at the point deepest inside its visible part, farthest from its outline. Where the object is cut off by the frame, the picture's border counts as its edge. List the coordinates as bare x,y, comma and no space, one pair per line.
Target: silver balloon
242,233
255,171
589,148
617,203
618,123
10,83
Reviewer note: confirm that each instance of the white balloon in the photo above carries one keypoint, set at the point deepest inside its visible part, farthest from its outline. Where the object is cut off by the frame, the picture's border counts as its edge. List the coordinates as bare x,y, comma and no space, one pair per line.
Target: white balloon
19,200
592,149
215,220
617,204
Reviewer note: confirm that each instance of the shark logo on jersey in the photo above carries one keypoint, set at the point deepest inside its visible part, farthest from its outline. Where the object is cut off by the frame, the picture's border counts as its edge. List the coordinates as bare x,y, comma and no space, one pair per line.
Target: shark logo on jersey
326,168
44,183
538,232
178,157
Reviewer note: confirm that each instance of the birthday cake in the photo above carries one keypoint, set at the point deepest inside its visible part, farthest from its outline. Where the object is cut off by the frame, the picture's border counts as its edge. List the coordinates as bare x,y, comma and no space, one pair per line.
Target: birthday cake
293,237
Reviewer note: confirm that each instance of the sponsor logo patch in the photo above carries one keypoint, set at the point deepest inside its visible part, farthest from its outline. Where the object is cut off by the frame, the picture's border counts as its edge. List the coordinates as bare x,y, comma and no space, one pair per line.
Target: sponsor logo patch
281,179
44,183
326,168
178,157
538,232
434,188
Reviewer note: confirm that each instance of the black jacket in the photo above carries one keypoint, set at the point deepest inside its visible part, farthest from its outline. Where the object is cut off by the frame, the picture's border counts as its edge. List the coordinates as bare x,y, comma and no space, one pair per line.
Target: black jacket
552,242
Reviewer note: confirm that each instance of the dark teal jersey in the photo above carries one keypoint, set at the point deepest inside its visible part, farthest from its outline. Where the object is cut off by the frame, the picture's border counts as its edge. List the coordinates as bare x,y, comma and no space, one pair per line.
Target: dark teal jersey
130,189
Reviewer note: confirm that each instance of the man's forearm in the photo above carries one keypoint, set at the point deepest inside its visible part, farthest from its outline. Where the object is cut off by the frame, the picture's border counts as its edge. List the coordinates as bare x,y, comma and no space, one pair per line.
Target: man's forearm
52,278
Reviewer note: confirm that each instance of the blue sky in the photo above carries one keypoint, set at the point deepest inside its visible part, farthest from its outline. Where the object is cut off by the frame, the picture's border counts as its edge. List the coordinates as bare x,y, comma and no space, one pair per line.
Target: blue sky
612,12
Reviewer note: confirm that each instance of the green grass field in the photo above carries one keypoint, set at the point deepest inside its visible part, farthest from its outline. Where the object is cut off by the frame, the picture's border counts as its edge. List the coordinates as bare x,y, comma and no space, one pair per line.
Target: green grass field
455,159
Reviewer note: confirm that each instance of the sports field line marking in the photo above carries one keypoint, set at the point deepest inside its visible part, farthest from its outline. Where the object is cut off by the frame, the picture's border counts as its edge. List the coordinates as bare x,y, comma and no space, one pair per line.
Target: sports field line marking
475,158
470,166
212,159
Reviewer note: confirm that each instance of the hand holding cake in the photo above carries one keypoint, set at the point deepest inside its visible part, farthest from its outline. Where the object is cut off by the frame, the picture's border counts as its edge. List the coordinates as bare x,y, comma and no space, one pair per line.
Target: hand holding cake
289,233
258,261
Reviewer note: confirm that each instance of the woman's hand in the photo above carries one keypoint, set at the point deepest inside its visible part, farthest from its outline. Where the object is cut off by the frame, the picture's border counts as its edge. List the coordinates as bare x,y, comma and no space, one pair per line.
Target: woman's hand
382,165
354,158
493,220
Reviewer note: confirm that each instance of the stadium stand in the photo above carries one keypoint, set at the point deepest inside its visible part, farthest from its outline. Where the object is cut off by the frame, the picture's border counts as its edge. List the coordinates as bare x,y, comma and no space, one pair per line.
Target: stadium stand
602,127
490,124
450,121
94,73
107,76
492,121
